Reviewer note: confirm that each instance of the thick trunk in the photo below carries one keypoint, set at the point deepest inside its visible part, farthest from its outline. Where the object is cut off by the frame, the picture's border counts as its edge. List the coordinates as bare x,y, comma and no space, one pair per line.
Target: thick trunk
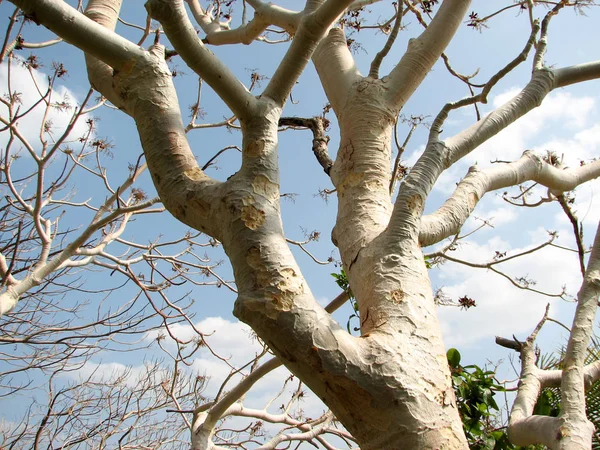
391,387
361,172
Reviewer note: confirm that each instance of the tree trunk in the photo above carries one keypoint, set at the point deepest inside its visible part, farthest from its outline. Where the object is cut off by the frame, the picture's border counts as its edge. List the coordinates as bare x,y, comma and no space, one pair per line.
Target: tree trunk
390,387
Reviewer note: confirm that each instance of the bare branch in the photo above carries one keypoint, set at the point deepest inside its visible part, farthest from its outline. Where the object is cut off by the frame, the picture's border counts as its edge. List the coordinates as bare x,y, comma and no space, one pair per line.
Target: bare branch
77,29
376,63
450,217
181,33
415,64
312,29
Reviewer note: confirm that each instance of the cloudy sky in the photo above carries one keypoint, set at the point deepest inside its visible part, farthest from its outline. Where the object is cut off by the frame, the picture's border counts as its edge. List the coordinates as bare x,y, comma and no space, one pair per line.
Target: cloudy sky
567,123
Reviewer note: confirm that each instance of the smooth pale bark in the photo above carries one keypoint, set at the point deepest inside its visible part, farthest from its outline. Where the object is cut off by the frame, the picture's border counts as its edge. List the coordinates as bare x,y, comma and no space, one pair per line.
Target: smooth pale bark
387,274
524,428
571,430
273,297
183,37
576,431
265,14
390,387
367,109
360,379
532,95
424,51
104,13
87,35
336,67
315,23
451,216
442,154
577,73
361,172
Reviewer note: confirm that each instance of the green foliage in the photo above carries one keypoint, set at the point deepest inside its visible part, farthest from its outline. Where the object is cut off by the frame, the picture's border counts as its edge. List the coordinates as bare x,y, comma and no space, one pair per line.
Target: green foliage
475,389
342,281
548,403
592,403
453,358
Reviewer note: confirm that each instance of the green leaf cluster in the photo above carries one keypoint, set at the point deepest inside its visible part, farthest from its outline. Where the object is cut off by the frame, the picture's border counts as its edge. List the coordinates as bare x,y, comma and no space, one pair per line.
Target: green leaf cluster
342,281
475,389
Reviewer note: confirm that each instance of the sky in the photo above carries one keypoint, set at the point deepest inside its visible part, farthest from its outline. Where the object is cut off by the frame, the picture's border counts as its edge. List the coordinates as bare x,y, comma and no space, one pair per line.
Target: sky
567,123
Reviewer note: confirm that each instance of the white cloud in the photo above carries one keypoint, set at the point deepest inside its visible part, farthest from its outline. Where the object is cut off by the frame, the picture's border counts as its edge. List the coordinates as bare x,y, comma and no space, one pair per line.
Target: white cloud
561,123
131,375
502,309
590,137
28,85
559,106
561,112
234,342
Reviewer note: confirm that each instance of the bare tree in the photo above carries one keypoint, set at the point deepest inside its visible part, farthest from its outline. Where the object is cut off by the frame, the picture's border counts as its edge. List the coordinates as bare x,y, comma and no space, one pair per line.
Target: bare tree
58,318
390,387
62,320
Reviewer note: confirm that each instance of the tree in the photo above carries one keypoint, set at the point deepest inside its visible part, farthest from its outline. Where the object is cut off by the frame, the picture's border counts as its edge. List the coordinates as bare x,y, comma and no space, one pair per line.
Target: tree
391,386
64,319
62,220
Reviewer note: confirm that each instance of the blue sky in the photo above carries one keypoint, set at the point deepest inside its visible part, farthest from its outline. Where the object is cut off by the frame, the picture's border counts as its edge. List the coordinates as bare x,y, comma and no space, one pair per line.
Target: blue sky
566,123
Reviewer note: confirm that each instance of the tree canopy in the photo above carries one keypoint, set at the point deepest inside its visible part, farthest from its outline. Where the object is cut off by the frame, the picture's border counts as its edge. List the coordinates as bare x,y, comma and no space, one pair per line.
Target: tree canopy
415,112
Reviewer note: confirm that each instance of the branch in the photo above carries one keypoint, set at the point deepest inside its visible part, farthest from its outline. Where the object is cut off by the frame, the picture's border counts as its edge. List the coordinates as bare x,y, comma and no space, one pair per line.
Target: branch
524,428
424,51
440,155
436,128
181,33
106,14
576,74
450,217
376,63
542,83
312,29
580,429
577,230
206,417
75,28
336,67
265,14
520,283
9,298
320,140
314,429
571,429
400,149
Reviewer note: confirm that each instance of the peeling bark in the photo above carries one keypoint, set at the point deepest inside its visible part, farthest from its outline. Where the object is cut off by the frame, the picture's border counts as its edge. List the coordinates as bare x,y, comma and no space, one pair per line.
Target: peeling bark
391,386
